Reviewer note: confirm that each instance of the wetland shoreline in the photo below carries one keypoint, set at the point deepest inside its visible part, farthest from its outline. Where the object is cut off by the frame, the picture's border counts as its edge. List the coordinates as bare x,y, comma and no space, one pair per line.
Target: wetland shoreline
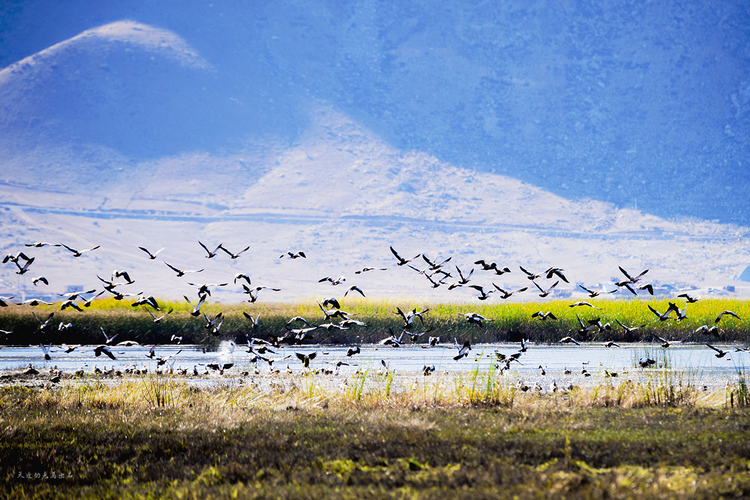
372,432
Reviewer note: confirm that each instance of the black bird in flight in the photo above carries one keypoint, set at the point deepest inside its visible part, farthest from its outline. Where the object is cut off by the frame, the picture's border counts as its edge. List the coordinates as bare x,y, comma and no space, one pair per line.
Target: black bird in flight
630,279
552,271
726,313
354,288
181,272
306,358
40,244
151,256
235,255
530,275
401,260
293,255
546,292
78,253
211,254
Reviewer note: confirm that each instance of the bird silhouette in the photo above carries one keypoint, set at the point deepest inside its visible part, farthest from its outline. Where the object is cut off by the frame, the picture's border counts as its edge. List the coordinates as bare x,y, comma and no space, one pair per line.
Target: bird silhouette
367,269
504,294
664,342
529,274
70,303
333,281
234,256
306,358
546,292
46,351
293,255
40,244
242,276
583,304
151,256
726,313
196,307
689,298
663,316
555,271
210,254
392,340
543,315
594,293
15,257
401,260
39,279
158,319
713,330
23,269
434,266
352,351
629,329
719,352
475,319
104,349
205,288
78,253
463,350
483,294
631,279
354,288
409,318
181,272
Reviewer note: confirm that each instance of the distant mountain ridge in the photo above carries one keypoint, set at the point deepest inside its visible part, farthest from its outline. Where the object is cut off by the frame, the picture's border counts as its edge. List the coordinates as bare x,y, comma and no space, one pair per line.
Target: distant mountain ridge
625,103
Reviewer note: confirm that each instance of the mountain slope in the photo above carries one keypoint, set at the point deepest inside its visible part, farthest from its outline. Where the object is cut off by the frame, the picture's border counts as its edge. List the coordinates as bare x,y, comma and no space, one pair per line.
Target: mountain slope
624,103
344,196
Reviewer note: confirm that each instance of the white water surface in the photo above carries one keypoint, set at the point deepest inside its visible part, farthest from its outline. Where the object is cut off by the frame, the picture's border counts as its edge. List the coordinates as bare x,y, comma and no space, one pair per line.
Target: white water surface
695,364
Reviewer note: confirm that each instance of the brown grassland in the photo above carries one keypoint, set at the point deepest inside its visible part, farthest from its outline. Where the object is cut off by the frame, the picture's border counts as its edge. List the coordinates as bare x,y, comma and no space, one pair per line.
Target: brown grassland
479,437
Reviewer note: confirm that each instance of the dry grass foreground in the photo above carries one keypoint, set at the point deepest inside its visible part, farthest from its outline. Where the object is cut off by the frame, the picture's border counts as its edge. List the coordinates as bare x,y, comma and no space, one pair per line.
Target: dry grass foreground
160,437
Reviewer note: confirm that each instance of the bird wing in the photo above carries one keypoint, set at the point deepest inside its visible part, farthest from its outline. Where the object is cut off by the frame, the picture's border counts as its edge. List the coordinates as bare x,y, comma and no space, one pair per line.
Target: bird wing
178,271
623,271
396,254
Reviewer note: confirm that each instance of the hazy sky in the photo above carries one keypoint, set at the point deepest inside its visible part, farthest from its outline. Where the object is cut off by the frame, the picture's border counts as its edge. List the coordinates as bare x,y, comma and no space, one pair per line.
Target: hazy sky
627,102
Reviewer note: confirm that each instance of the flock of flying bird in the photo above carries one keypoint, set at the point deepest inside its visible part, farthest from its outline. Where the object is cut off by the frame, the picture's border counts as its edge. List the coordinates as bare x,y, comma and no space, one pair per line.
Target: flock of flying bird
299,330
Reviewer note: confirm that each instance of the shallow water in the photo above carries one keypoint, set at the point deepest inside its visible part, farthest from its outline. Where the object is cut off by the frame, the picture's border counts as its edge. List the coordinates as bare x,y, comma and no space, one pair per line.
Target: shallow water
696,364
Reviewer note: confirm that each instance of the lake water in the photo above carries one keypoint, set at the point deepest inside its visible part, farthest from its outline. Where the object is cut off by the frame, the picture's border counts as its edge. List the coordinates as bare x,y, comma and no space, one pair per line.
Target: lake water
694,363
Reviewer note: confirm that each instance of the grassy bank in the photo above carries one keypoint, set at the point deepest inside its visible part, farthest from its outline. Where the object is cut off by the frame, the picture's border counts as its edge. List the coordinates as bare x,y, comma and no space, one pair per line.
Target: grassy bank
241,441
511,321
